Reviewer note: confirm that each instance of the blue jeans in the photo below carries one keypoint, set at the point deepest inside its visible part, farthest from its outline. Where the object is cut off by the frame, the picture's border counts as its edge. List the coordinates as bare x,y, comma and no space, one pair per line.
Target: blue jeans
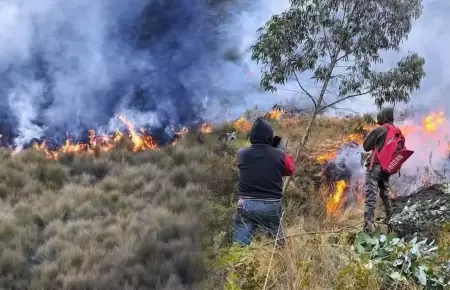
253,214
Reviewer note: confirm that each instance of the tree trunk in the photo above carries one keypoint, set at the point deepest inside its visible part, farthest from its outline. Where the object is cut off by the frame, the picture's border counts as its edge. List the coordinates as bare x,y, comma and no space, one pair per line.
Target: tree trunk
300,147
313,117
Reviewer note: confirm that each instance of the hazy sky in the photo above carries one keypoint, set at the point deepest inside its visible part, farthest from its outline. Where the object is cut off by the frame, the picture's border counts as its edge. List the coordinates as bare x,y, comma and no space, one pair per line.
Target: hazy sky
429,39
73,64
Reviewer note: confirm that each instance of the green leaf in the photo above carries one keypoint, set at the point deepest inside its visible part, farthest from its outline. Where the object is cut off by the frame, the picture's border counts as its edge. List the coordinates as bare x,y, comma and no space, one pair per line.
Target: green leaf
421,276
360,241
395,276
338,43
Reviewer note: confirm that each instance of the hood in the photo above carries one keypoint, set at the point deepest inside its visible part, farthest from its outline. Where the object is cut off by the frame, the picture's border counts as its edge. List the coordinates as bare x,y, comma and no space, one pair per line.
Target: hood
386,115
261,132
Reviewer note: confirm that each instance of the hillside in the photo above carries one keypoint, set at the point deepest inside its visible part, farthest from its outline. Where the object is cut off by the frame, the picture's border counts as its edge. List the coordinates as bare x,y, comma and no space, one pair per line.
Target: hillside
159,218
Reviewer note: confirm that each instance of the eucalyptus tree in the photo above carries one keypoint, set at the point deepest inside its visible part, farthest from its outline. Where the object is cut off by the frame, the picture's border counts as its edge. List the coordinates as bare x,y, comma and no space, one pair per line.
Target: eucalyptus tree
338,44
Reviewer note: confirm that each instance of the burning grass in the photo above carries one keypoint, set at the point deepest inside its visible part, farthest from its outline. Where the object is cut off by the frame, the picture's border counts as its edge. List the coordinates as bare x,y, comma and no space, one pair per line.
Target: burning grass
121,213
319,252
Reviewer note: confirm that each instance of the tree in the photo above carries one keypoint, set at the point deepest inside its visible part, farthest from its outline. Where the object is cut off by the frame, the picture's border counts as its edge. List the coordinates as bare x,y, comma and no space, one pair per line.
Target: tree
338,42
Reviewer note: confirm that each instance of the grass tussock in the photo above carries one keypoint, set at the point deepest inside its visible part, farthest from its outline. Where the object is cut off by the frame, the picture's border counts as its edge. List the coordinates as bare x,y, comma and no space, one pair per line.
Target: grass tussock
116,221
161,220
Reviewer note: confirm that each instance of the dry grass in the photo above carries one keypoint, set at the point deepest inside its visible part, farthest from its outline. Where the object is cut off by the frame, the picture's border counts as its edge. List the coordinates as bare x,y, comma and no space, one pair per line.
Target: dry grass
152,220
315,255
119,221
319,252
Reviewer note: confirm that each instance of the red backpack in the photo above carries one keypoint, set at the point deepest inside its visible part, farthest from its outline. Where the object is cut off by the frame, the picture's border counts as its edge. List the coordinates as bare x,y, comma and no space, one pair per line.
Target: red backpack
393,153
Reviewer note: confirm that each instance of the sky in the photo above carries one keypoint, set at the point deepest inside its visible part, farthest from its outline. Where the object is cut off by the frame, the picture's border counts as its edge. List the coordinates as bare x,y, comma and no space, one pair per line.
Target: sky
429,39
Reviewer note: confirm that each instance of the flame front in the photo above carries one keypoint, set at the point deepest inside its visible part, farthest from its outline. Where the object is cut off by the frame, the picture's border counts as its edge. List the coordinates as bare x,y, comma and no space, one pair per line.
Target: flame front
423,138
105,143
140,142
338,197
206,128
433,121
274,114
242,125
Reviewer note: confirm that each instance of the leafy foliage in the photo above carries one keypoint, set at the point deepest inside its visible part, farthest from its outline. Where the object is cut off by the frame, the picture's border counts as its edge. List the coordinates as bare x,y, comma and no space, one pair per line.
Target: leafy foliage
400,260
339,41
241,269
422,213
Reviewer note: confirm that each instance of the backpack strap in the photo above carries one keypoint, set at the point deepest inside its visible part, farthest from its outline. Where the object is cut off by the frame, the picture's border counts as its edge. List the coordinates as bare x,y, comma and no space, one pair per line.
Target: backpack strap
388,126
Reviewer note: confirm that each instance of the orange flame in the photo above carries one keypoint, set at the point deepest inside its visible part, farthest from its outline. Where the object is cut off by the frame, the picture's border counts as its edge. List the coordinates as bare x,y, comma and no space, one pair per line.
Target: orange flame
430,129
206,128
140,142
324,158
432,122
242,125
105,143
427,134
338,197
274,114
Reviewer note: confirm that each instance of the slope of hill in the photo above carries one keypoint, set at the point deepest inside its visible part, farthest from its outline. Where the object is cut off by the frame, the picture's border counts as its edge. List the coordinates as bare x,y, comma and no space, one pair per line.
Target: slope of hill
160,218
118,221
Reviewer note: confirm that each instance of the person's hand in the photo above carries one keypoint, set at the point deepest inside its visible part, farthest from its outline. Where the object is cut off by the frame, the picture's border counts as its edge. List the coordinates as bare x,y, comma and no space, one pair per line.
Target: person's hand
282,145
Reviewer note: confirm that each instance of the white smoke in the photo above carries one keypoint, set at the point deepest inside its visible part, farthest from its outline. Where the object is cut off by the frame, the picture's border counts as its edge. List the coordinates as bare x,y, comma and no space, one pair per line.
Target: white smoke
80,42
88,59
73,35
428,165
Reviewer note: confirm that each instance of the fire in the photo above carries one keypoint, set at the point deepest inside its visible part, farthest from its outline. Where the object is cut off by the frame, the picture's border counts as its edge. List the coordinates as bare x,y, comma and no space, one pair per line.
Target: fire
338,197
421,137
332,154
429,130
206,128
141,140
324,158
432,122
274,114
242,125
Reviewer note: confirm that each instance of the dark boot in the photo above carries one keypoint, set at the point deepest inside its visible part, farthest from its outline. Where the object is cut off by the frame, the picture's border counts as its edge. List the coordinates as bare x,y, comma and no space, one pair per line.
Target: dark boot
369,227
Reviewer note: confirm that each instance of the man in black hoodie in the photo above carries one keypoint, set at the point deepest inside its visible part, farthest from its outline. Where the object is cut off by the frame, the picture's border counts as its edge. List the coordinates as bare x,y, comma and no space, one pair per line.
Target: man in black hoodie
261,171
375,178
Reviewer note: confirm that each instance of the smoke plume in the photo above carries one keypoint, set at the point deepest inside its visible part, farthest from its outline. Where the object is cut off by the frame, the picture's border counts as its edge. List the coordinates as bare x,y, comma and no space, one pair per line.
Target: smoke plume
73,65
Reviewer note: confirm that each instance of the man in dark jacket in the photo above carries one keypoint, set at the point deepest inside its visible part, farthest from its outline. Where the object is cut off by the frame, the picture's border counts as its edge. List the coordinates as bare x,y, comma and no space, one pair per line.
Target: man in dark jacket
375,178
261,171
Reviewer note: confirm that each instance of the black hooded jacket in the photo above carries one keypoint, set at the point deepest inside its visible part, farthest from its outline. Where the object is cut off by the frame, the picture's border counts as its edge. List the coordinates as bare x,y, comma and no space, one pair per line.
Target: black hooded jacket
377,136
261,166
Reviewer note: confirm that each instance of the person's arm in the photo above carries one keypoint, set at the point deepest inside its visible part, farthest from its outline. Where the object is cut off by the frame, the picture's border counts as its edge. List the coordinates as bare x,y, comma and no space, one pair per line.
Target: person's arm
371,139
289,165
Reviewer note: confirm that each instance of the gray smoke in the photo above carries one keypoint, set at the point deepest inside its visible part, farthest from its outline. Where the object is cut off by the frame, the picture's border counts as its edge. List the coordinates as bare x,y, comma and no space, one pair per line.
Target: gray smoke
73,65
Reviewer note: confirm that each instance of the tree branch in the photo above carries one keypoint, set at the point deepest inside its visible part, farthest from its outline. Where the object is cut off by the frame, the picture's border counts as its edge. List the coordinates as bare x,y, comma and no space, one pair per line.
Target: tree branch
326,41
348,53
305,91
342,99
